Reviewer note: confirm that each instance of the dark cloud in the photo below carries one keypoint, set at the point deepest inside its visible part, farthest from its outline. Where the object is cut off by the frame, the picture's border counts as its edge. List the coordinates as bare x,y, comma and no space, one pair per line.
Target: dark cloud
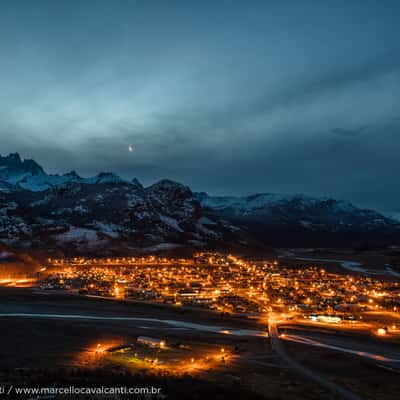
348,133
228,98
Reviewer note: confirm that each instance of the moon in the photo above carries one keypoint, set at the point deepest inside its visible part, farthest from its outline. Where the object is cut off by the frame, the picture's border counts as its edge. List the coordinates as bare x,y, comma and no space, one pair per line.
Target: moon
130,148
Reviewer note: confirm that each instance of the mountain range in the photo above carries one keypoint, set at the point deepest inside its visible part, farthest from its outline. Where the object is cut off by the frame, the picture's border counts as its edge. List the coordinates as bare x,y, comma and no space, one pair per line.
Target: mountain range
110,215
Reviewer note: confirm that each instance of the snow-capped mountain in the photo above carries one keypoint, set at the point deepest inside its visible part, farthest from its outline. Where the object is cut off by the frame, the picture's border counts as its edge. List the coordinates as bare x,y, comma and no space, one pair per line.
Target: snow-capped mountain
103,214
107,214
14,170
275,215
393,215
16,174
306,211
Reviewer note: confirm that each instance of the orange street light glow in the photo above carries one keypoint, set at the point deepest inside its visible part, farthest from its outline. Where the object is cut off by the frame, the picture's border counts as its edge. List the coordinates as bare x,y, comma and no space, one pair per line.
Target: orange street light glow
381,332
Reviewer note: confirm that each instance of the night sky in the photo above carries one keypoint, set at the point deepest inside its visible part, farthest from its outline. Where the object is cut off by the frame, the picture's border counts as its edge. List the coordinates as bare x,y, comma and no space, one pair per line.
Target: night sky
229,97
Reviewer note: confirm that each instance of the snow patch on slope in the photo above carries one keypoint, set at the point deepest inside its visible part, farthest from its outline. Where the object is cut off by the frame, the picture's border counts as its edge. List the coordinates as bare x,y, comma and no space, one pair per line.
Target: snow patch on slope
77,234
172,222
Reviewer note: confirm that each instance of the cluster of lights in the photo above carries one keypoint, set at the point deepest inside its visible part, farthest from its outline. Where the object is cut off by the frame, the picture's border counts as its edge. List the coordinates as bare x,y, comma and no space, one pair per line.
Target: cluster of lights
227,284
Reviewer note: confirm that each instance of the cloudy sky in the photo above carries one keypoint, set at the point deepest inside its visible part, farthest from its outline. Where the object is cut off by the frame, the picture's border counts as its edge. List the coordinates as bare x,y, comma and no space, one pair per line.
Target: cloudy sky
230,97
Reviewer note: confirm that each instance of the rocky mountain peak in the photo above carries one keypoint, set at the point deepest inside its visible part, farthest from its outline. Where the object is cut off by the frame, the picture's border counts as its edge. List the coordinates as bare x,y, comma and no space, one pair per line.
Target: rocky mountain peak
73,175
13,167
108,177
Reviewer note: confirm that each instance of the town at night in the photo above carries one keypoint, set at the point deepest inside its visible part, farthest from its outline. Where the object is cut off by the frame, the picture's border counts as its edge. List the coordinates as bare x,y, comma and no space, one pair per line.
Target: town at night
214,316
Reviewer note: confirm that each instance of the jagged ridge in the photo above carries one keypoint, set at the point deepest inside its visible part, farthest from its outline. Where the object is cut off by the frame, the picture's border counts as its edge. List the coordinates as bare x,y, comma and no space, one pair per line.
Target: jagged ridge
109,212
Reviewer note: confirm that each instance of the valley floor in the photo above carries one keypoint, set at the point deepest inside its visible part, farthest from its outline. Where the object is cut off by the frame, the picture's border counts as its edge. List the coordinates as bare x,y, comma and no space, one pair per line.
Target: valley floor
43,341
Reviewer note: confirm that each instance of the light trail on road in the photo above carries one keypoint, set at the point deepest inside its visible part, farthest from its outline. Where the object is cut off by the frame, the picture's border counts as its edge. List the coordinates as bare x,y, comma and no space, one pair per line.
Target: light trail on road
301,369
311,342
171,322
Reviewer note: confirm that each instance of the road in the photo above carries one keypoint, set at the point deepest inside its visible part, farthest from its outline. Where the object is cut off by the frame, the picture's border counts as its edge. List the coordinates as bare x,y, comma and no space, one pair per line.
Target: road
133,318
375,351
349,265
158,322
167,323
304,371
